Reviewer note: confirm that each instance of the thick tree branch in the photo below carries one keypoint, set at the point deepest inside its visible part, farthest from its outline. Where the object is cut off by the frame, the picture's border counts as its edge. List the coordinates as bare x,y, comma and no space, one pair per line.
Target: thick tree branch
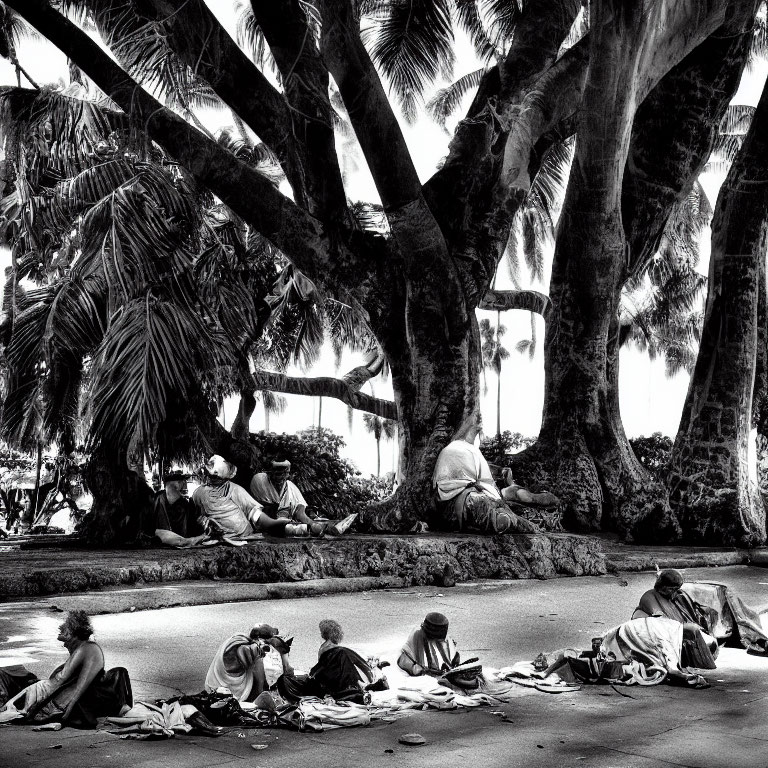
369,109
355,378
200,42
298,235
683,113
306,80
556,95
325,386
462,189
531,301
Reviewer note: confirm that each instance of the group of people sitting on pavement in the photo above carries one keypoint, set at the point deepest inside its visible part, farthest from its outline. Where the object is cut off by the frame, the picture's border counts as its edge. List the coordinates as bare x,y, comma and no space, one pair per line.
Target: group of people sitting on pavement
223,511
675,632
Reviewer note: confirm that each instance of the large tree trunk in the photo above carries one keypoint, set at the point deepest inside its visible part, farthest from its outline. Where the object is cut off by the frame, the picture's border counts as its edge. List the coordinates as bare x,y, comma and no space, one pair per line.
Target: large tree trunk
582,452
436,383
709,478
121,501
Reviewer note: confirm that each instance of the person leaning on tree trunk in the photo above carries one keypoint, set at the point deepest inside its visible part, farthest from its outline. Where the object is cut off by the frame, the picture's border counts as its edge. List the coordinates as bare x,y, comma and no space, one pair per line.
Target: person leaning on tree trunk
465,494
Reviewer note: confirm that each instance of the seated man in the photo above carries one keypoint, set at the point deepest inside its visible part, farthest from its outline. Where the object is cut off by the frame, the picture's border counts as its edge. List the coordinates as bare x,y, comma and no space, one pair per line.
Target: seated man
230,511
467,498
278,495
340,672
175,516
250,664
667,599
78,692
429,650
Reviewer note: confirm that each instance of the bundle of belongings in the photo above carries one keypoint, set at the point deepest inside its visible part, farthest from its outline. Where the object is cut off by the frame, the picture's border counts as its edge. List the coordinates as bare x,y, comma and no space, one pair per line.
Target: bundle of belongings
717,609
645,651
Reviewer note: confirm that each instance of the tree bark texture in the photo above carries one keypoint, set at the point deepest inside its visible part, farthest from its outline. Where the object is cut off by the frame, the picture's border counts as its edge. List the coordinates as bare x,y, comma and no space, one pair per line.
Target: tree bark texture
709,476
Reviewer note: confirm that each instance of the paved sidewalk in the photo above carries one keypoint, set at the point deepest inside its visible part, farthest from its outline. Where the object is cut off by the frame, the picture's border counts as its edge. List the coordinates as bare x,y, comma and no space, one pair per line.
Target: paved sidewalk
502,622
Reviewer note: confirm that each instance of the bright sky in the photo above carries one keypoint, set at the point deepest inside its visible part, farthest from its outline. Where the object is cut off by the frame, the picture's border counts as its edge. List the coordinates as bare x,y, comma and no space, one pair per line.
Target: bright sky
649,401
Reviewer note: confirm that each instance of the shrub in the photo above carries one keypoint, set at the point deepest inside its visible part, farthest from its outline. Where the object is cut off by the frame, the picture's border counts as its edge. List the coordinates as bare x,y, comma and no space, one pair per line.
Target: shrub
653,452
332,486
496,448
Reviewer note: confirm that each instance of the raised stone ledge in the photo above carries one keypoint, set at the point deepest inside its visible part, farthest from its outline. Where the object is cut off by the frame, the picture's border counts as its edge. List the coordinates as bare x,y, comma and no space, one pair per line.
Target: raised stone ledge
418,560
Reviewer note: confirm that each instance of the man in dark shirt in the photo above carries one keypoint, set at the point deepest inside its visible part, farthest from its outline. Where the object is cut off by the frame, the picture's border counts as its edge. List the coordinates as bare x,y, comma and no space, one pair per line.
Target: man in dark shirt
176,519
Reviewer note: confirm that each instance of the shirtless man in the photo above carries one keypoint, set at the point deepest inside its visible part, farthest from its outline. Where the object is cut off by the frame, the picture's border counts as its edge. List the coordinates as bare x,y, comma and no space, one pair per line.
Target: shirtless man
79,683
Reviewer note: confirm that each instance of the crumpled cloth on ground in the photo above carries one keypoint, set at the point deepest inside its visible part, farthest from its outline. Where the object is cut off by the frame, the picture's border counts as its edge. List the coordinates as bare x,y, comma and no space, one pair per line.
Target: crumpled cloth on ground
425,691
730,615
643,651
322,712
166,719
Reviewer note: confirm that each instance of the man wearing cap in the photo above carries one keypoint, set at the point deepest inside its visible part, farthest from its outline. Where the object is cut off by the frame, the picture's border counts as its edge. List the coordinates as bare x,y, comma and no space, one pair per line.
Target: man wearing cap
278,495
230,510
250,664
429,650
176,520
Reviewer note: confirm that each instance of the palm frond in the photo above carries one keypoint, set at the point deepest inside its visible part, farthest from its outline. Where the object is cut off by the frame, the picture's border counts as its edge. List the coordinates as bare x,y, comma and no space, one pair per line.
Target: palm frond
251,39
141,47
152,355
412,46
468,19
448,100
347,329
503,16
758,51
51,136
370,216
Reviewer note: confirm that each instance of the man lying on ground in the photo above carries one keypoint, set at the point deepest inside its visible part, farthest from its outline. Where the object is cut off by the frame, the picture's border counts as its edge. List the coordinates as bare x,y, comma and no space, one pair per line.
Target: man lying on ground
175,516
78,692
466,496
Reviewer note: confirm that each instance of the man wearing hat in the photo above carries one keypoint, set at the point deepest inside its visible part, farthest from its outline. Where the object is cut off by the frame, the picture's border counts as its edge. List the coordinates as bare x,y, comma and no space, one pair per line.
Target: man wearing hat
250,664
175,517
278,495
429,650
231,511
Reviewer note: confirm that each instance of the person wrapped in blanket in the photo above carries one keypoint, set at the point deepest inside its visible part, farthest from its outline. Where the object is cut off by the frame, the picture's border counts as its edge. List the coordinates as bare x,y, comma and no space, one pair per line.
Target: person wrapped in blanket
668,599
78,692
645,651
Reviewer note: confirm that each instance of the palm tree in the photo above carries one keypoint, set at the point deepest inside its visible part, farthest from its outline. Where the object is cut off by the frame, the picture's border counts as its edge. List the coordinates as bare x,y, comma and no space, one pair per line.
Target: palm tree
661,311
494,353
379,428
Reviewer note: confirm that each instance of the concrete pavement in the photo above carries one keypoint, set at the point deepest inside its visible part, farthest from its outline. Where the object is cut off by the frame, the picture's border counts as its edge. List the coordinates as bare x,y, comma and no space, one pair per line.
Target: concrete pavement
169,650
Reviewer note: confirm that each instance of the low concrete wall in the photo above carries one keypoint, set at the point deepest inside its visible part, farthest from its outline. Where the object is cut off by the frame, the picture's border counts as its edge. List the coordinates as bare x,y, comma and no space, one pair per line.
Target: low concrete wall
412,559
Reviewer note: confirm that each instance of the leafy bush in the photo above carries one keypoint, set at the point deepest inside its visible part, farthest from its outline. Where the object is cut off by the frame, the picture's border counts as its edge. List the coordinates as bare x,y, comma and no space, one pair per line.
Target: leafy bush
653,452
496,448
332,486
